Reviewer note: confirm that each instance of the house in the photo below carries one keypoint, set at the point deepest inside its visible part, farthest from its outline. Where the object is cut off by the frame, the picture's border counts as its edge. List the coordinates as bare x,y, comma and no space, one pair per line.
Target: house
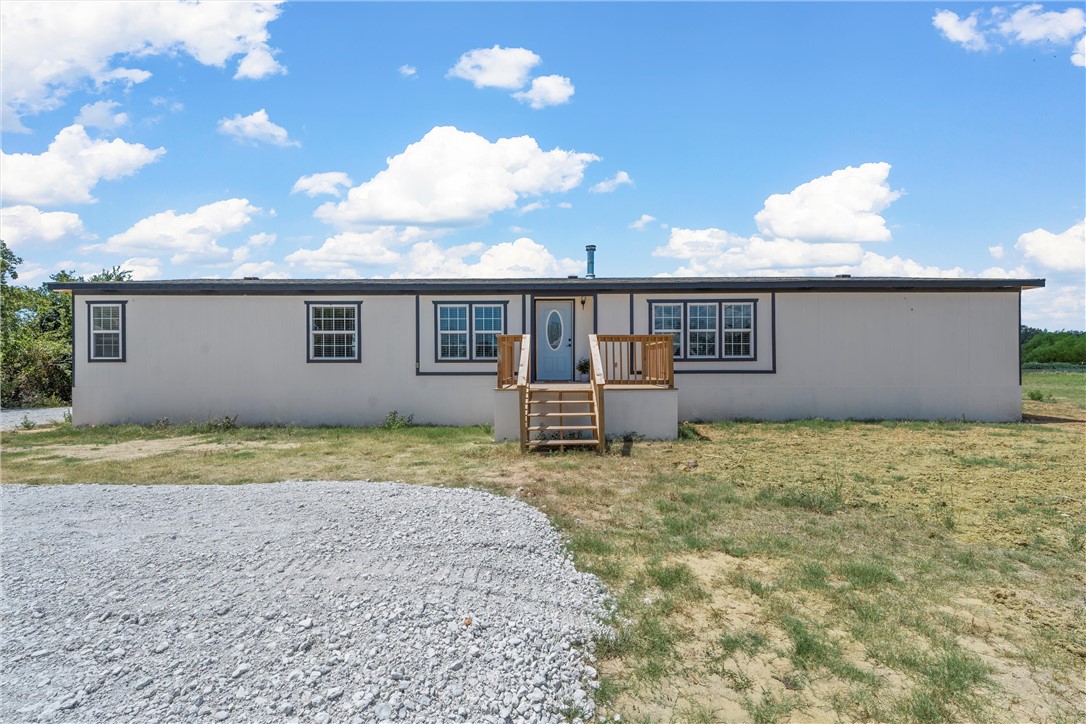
504,351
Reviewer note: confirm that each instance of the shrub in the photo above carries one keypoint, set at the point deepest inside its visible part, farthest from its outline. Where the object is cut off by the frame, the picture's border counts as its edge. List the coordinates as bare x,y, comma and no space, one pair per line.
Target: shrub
395,421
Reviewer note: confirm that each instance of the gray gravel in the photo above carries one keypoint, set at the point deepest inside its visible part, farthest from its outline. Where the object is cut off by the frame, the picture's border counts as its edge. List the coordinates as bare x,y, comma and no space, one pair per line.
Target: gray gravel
11,419
308,602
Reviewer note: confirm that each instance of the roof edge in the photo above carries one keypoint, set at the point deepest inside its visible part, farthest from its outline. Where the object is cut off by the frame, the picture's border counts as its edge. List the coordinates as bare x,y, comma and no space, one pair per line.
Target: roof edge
537,286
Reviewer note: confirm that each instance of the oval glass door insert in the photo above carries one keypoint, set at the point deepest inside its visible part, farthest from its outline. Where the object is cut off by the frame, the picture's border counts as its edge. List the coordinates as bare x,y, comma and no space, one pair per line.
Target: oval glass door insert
554,329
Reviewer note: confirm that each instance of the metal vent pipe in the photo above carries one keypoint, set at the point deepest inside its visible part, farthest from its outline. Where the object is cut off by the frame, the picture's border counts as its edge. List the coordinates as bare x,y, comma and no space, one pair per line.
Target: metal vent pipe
591,249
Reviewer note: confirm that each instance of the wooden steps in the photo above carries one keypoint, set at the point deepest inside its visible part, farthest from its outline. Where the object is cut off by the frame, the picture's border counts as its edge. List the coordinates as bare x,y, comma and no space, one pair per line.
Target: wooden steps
560,415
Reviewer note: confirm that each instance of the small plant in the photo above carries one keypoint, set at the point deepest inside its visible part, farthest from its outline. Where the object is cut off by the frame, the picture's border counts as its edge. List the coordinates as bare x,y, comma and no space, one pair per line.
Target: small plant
68,417
27,423
584,366
1036,395
162,423
395,421
222,424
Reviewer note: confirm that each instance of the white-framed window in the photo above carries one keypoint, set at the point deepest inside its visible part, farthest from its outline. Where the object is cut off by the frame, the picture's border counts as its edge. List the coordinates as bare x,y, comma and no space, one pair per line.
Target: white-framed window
702,332
487,326
452,331
468,331
738,329
706,330
668,319
107,334
333,331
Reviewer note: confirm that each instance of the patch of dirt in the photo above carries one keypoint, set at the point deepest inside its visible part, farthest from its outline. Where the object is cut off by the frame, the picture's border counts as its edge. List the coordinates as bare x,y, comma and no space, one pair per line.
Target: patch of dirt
136,449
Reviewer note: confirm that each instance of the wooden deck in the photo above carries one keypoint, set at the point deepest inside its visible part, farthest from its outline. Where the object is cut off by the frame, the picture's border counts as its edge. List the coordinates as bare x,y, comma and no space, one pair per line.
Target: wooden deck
561,414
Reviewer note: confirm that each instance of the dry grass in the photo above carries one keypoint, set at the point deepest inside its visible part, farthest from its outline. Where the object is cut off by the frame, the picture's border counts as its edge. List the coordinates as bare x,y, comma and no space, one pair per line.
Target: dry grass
765,571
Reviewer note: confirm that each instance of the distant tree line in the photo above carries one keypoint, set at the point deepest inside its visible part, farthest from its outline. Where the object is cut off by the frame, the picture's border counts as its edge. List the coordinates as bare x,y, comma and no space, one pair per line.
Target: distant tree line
36,336
1041,347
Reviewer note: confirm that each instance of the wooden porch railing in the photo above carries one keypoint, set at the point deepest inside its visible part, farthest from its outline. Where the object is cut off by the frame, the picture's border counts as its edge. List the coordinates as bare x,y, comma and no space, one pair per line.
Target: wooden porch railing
637,359
597,379
509,359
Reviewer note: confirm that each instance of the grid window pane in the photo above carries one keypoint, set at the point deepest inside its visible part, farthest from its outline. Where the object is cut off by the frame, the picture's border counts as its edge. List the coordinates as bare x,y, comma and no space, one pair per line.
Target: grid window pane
738,316
488,323
106,317
738,330
334,332
453,318
488,319
486,345
106,342
702,321
107,345
669,318
453,345
737,344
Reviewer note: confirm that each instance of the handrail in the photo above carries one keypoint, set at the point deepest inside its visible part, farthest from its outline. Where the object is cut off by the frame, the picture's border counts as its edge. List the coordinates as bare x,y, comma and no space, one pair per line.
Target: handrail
637,359
598,381
507,360
525,356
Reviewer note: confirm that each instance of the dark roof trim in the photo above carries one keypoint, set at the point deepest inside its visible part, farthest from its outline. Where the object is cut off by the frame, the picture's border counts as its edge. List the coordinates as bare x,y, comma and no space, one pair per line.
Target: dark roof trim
543,286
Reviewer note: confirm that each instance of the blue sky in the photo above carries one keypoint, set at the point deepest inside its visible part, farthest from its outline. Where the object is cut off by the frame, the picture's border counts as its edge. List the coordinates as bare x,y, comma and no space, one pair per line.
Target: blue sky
448,140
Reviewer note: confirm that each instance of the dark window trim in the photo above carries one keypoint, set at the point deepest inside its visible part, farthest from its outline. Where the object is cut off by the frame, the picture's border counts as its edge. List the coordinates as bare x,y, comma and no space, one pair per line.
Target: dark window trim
90,330
357,331
470,304
719,302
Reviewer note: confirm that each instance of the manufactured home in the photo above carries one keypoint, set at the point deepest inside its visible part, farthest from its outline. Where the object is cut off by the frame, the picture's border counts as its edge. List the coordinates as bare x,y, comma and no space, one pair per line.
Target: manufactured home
505,352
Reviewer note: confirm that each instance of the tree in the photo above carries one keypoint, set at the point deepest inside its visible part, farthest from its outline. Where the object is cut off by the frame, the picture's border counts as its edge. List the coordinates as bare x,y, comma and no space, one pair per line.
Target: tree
36,355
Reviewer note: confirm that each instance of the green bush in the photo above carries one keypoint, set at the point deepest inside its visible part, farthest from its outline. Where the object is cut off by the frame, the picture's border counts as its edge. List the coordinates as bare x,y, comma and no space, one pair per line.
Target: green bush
1055,347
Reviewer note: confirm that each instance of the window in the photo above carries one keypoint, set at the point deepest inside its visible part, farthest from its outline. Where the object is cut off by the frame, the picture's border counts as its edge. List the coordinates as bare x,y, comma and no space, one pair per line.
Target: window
452,324
668,319
706,330
333,332
488,325
702,333
738,329
469,331
106,327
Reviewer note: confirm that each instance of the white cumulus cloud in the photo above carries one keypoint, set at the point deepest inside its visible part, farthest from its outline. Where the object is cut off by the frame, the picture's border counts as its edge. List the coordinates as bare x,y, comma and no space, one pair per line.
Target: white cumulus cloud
962,31
408,71
996,251
547,90
101,115
607,186
259,63
21,225
52,48
350,248
256,128
1060,306
71,167
839,207
261,269
143,268
452,177
322,183
496,67
1059,252
1032,24
520,258
843,206
1023,24
642,222
191,237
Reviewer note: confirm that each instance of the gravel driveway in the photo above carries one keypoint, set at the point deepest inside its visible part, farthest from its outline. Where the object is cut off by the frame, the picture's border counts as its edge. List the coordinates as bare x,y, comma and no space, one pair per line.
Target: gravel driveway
11,419
309,602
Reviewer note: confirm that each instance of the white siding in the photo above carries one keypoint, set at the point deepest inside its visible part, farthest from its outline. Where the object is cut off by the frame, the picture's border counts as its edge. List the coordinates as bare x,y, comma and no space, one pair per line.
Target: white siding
863,355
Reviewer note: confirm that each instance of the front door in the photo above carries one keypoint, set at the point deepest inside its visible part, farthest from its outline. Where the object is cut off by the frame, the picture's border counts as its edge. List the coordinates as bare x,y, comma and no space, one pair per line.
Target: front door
554,340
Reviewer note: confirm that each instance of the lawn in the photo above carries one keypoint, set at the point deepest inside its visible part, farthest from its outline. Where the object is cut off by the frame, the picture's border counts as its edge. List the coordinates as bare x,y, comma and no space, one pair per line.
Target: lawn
764,571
